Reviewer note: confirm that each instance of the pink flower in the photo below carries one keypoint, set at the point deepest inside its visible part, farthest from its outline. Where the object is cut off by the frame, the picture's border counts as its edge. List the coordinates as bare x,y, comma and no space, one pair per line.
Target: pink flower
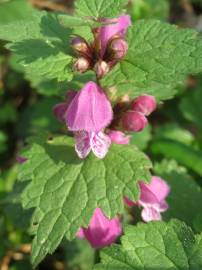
134,121
101,231
90,110
118,28
118,137
152,199
145,104
60,109
99,143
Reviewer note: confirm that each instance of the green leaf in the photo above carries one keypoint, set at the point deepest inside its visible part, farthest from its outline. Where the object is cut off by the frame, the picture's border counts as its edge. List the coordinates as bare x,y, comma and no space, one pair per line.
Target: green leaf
174,132
79,254
99,8
3,142
159,57
15,10
59,178
38,117
149,9
74,21
40,45
190,107
185,196
198,222
153,246
182,153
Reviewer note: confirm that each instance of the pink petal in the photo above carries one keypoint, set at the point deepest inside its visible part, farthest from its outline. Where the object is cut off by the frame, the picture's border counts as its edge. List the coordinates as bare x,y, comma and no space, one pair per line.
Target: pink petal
163,206
134,121
101,231
159,187
149,214
80,233
107,32
129,202
59,111
145,104
100,144
154,192
82,145
118,137
90,110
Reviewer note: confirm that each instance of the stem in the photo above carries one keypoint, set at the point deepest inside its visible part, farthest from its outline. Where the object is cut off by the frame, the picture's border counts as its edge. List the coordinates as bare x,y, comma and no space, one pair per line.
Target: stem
97,256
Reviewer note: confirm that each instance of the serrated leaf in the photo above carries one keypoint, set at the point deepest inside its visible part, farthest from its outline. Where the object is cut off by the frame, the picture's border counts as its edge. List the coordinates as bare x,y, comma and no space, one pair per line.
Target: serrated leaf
59,178
99,8
159,57
74,21
40,45
155,246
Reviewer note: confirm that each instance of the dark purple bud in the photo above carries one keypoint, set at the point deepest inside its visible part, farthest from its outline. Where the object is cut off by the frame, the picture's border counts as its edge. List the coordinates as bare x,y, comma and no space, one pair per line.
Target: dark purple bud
21,159
145,104
118,48
101,68
80,46
134,121
81,65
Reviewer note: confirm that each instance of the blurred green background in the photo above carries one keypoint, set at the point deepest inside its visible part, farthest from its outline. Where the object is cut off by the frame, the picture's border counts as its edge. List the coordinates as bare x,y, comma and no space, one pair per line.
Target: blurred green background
173,139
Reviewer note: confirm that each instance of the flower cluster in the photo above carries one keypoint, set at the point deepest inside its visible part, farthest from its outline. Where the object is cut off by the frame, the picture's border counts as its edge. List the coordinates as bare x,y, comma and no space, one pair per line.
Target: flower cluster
88,113
108,47
95,123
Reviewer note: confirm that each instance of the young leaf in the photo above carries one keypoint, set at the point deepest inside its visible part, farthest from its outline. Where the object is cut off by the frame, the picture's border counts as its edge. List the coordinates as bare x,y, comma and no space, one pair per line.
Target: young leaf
155,245
159,57
65,190
99,8
41,46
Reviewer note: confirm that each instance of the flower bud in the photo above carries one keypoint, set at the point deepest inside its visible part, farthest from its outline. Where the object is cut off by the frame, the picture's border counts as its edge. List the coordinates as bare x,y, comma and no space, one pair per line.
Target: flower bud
101,69
144,104
118,48
82,65
101,231
134,121
80,46
21,159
